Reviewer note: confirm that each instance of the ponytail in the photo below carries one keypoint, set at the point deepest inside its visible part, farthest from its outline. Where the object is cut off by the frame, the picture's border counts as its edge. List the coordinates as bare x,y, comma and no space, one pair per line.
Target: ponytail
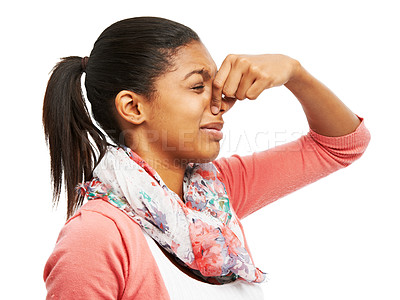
67,127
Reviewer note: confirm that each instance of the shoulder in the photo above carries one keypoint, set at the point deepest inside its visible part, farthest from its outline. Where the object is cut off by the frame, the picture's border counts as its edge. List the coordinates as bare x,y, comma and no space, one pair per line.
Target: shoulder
98,239
95,230
101,226
97,222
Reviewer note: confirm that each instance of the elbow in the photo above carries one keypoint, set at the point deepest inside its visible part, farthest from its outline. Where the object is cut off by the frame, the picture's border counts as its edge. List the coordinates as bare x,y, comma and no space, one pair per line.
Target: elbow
344,150
354,150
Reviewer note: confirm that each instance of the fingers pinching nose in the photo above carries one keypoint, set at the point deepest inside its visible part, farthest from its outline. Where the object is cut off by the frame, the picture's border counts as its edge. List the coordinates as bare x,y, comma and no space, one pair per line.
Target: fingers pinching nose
223,104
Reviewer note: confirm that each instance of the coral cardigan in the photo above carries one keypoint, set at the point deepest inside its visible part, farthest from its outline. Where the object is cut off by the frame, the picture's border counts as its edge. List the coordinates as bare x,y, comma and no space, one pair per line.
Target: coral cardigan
102,254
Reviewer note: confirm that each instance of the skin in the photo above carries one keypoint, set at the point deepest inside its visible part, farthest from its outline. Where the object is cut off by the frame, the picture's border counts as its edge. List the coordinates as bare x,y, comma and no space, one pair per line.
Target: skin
166,132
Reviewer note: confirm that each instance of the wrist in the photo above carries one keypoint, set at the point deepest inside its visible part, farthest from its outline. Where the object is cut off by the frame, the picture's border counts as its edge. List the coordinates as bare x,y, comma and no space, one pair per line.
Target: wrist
298,76
296,70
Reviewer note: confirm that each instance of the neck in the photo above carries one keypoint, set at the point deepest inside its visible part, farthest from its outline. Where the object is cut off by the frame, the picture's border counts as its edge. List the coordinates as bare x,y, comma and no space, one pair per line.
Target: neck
170,171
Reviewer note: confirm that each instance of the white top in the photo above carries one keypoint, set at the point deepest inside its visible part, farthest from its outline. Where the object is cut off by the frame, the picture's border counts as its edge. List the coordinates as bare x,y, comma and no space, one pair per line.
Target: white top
182,287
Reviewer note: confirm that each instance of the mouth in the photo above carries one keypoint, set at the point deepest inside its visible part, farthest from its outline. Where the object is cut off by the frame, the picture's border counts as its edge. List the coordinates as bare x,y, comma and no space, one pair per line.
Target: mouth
213,125
213,130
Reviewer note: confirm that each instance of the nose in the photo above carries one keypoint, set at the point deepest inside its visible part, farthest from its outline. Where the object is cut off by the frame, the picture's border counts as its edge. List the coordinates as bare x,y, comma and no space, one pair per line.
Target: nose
227,103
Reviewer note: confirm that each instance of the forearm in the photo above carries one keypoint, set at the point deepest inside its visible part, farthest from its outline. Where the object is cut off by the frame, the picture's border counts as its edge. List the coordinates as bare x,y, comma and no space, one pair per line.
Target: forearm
325,113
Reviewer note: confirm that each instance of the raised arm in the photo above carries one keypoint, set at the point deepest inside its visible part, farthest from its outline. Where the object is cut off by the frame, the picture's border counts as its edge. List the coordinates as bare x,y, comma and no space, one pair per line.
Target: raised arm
246,76
325,113
337,136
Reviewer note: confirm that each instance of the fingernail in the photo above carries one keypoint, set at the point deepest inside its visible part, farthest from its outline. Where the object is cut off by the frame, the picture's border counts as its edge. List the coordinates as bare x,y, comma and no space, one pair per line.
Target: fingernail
214,109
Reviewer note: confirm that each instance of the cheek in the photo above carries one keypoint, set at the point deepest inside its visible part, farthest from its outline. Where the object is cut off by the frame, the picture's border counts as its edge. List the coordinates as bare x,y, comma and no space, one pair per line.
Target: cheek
179,117
187,114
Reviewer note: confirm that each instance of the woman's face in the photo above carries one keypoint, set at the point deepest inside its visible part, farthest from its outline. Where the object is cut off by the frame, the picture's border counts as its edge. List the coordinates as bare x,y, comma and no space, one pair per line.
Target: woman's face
182,107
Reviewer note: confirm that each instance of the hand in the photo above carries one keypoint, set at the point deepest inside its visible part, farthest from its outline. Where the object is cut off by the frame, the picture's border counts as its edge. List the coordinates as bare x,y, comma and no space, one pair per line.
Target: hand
246,76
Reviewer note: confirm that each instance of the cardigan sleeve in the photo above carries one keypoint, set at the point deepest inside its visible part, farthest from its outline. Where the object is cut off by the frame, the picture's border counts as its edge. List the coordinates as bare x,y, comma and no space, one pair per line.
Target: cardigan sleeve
256,180
89,260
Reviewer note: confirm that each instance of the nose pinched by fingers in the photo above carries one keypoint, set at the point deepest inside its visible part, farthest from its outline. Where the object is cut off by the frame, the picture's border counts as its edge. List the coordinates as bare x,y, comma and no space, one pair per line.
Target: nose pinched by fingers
219,100
219,84
227,103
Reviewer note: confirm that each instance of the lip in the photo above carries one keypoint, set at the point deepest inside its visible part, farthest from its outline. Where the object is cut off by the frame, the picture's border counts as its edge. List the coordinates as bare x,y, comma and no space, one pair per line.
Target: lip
214,125
214,129
216,134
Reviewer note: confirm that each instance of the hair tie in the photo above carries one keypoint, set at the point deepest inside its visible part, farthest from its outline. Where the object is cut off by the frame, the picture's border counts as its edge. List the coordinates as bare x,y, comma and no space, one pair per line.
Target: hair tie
84,63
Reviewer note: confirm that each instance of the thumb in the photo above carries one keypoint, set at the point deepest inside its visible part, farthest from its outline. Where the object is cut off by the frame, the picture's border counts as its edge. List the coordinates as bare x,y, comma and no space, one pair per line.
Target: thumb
216,97
215,106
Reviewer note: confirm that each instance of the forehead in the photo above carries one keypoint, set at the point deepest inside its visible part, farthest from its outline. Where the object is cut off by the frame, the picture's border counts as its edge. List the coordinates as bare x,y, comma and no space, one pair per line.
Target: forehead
193,56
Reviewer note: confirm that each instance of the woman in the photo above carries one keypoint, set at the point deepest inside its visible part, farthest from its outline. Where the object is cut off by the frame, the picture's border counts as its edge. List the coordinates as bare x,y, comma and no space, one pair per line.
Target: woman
162,218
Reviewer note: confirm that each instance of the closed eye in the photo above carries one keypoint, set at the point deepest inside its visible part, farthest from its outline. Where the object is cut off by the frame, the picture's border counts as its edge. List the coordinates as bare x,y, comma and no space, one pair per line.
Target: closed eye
198,87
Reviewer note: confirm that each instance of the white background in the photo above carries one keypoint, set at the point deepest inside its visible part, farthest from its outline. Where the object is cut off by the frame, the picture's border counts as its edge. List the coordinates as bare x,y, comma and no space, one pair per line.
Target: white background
335,239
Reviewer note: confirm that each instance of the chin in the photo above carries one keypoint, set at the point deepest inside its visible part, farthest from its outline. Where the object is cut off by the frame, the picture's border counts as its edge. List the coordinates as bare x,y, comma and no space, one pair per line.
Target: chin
202,154
208,156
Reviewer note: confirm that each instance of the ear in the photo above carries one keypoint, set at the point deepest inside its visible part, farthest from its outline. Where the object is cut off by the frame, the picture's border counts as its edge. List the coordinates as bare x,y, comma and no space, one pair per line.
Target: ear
130,106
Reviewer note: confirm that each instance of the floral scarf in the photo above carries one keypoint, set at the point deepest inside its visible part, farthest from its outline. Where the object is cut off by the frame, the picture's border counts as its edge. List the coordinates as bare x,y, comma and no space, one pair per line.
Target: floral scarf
202,231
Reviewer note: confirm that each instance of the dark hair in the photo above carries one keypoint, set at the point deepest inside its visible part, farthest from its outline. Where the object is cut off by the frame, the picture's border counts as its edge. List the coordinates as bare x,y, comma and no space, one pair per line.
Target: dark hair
129,55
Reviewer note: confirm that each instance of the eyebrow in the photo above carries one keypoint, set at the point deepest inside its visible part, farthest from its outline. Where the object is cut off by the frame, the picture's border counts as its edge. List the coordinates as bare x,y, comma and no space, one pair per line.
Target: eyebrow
203,72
